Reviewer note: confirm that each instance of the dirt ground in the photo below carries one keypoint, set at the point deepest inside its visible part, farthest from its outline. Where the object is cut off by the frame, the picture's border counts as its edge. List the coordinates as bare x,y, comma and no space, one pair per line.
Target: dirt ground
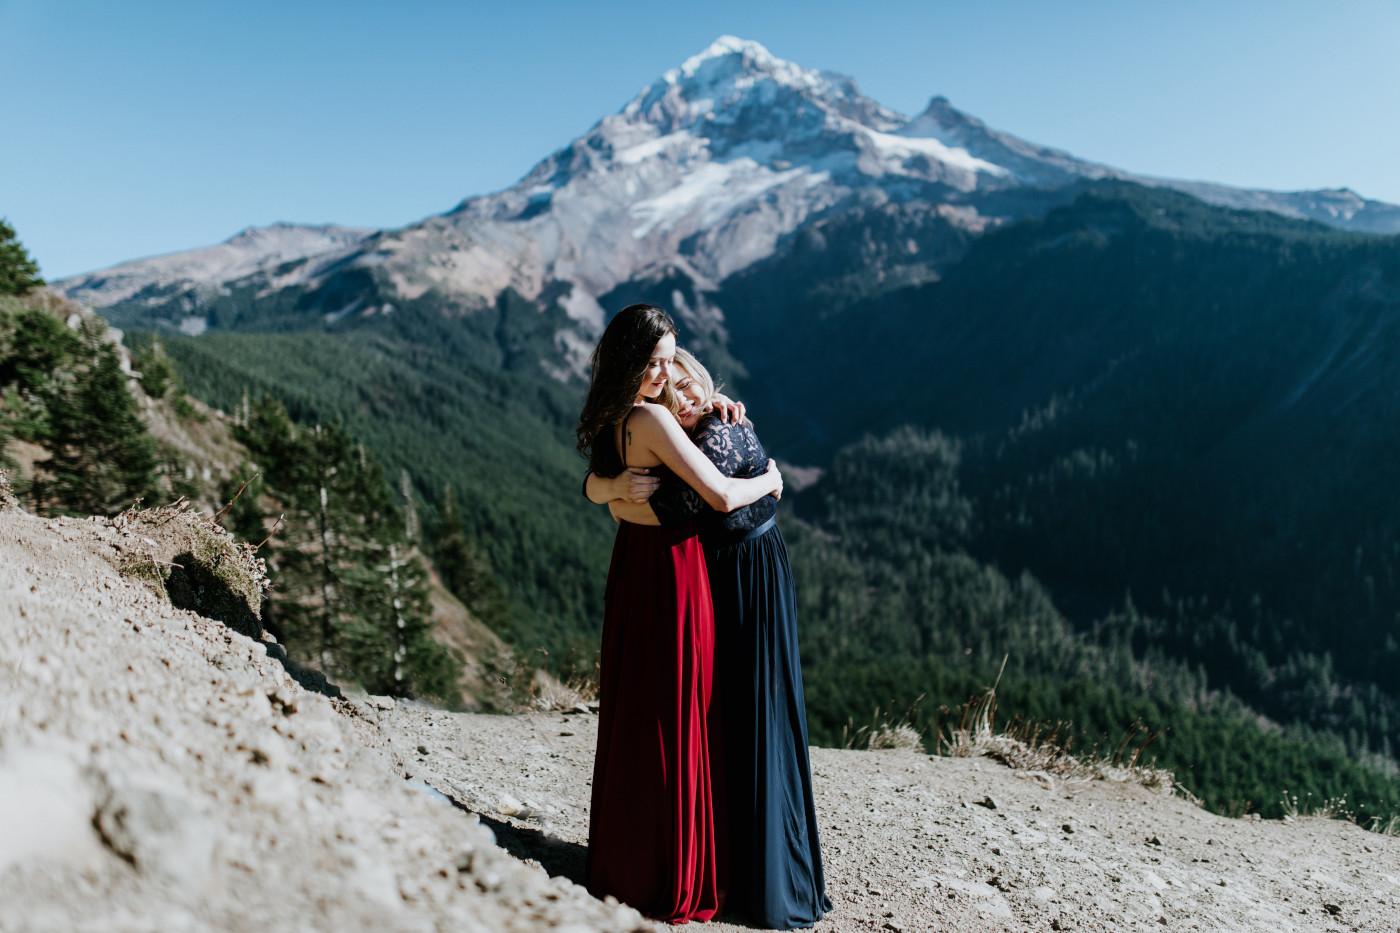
910,843
160,772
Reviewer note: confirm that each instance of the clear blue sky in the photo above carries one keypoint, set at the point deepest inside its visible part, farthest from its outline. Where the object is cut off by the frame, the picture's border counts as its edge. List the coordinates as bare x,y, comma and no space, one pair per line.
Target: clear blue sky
137,128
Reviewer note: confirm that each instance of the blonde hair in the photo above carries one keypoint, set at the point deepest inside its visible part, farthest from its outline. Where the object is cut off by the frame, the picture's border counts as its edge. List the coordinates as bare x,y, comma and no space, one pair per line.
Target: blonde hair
697,372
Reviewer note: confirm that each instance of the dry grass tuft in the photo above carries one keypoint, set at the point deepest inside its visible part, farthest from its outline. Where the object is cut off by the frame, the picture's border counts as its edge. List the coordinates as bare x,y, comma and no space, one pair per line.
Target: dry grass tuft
527,688
193,562
899,735
1043,750
1335,808
885,731
1389,826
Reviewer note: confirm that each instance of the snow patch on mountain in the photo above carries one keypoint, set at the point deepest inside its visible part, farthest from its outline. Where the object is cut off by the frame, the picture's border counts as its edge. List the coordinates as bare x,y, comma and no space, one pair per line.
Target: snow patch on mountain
584,308
906,147
633,155
708,193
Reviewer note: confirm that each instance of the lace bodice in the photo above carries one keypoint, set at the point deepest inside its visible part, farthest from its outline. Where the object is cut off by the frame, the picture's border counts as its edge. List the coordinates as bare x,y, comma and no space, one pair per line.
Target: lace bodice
735,450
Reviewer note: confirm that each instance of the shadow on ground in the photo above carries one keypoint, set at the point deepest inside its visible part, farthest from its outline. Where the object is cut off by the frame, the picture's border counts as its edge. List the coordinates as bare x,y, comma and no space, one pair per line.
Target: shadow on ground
555,856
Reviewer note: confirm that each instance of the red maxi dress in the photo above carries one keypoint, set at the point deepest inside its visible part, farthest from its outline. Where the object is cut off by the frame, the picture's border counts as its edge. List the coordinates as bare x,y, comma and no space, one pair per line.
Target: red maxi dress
652,839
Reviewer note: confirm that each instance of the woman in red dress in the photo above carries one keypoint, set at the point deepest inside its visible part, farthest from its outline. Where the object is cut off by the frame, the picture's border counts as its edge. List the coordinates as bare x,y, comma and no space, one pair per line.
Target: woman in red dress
652,827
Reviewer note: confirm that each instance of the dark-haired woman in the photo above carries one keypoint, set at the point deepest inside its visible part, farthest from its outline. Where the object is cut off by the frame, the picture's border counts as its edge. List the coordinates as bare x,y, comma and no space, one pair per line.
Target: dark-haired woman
652,827
776,877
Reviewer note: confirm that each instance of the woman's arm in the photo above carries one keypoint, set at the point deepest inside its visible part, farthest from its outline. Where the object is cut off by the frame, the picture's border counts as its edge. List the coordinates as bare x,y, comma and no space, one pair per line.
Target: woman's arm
632,484
654,431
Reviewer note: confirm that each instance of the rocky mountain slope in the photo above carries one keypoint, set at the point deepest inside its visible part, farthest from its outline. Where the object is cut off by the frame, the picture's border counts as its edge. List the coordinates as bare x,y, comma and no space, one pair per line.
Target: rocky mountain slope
160,771
204,463
246,253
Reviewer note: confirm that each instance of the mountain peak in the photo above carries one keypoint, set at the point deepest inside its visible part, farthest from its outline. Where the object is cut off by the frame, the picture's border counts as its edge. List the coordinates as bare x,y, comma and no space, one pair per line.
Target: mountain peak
738,82
730,56
727,45
940,118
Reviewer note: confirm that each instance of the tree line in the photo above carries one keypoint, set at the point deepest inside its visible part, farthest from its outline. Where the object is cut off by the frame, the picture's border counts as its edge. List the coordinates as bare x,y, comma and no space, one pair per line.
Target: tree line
898,616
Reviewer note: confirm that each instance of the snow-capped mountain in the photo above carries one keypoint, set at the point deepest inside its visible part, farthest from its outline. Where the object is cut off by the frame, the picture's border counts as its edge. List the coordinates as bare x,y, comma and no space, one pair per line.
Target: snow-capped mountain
707,170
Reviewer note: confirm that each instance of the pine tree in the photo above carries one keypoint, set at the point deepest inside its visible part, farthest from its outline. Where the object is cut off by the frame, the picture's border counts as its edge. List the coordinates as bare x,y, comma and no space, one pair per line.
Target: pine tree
321,546
19,274
38,356
389,645
158,373
464,569
350,590
102,458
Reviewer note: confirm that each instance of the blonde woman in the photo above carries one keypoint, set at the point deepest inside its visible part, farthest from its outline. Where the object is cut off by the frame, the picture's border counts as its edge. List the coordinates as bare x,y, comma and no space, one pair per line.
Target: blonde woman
775,862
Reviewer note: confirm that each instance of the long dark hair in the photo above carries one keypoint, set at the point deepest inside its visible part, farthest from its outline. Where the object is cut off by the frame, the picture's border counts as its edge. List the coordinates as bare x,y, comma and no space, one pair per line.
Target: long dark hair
618,361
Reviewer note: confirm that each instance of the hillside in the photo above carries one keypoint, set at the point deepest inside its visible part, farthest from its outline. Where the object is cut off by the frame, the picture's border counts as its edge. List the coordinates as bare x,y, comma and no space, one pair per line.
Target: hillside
88,424
1158,402
498,436
163,771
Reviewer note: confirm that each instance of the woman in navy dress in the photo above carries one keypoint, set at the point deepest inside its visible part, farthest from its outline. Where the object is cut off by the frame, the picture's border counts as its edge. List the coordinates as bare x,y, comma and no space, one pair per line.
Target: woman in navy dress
775,862
656,822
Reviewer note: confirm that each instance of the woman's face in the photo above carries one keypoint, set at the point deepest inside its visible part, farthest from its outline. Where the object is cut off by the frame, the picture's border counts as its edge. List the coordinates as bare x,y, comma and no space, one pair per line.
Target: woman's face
692,398
658,370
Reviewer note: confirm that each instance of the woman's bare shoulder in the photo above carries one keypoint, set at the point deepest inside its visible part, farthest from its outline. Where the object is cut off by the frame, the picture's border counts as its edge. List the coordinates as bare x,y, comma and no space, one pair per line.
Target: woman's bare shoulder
646,431
651,416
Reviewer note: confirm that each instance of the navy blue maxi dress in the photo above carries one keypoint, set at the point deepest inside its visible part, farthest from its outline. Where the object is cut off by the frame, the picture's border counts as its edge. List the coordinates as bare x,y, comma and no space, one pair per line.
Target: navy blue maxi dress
775,864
